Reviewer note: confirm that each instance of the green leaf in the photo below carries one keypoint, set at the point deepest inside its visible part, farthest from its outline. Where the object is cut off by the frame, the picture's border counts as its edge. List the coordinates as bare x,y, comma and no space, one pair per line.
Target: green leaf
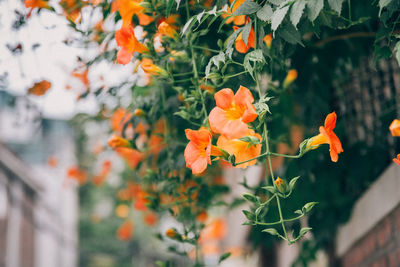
187,25
307,207
397,52
304,231
224,257
313,8
258,210
250,216
250,197
170,3
270,189
382,4
271,231
336,5
247,8
253,56
298,212
290,34
246,33
278,17
292,182
265,13
297,11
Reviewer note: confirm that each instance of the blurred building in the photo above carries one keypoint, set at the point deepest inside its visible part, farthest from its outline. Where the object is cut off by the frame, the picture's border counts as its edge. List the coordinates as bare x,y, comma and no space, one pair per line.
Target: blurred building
38,208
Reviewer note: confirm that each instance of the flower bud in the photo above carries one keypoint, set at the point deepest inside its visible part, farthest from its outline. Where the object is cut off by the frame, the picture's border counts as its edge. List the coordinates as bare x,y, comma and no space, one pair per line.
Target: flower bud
395,127
173,234
116,141
281,185
139,112
268,40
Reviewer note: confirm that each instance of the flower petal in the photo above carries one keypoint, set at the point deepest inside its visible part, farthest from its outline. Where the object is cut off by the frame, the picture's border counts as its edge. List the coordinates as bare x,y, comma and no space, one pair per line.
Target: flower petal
224,98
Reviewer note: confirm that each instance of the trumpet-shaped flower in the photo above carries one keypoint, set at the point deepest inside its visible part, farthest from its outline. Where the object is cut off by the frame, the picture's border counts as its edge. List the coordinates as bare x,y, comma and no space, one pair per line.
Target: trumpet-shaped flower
242,150
116,141
131,156
232,113
327,136
127,8
125,231
240,45
268,40
149,68
290,77
32,4
395,127
126,39
198,150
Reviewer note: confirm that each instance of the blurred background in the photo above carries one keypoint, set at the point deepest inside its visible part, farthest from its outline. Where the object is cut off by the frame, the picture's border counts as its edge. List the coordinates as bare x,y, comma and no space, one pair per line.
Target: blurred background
48,219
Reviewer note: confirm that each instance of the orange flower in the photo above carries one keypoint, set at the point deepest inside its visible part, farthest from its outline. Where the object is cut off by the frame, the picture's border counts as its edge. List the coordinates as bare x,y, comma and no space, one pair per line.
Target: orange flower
131,156
198,150
122,211
172,233
40,88
125,231
116,141
397,160
82,76
144,19
119,118
148,67
165,29
32,4
268,40
237,20
141,200
232,112
150,219
216,230
72,8
127,8
99,179
290,77
75,173
240,45
327,136
242,150
202,217
52,161
126,39
395,127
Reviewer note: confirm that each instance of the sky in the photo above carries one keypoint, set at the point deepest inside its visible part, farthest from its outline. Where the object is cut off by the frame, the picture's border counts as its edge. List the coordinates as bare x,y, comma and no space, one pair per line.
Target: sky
52,60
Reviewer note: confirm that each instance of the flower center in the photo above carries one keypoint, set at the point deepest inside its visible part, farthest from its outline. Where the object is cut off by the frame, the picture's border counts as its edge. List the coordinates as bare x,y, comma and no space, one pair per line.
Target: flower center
235,112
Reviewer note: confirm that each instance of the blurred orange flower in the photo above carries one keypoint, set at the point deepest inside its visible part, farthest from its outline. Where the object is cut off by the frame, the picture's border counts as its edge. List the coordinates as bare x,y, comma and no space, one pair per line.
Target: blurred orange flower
122,211
52,161
126,39
395,127
32,4
327,136
125,231
290,77
116,141
119,118
268,40
99,179
397,160
150,219
82,76
198,150
242,150
77,174
215,230
165,29
149,68
131,156
39,88
232,113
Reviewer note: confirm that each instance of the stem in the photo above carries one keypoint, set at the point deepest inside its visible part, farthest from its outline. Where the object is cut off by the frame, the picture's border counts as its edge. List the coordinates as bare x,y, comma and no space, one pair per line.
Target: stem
234,75
205,48
182,74
349,6
278,222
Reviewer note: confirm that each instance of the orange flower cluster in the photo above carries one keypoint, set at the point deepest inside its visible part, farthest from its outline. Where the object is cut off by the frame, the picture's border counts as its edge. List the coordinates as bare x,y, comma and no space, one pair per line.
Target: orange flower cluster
395,131
39,88
230,120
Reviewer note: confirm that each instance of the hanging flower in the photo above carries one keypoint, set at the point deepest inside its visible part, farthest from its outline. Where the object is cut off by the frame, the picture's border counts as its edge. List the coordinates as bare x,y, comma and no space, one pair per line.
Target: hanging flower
242,150
131,156
395,127
240,45
232,113
149,68
39,88
198,150
32,4
126,39
327,136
